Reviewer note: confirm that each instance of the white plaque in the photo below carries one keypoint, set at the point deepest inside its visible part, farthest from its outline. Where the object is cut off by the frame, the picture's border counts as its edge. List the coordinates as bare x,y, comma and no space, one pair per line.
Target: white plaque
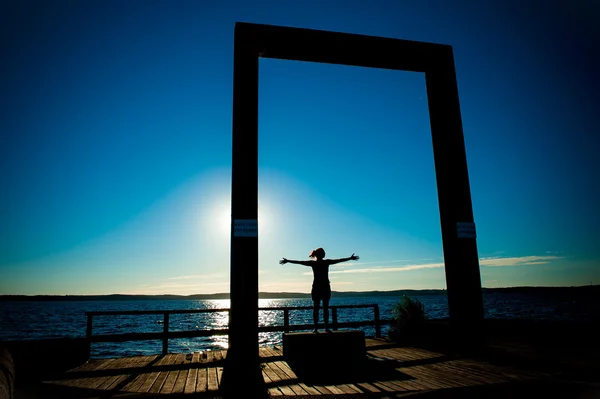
465,230
245,228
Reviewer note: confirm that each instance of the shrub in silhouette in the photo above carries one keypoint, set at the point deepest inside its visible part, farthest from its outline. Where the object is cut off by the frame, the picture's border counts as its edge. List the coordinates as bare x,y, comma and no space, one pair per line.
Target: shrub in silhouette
409,320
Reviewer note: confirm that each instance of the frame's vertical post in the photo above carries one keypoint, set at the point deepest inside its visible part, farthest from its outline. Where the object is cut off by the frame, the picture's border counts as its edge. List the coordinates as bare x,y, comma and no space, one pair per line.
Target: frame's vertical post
377,321
286,320
165,341
463,280
242,364
334,320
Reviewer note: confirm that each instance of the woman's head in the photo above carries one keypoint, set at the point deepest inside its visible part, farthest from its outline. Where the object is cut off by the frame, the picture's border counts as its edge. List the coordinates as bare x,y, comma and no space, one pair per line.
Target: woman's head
318,253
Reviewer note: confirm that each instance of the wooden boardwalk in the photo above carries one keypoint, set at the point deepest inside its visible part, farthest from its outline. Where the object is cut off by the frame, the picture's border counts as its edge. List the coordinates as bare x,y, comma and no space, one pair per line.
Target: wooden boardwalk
391,370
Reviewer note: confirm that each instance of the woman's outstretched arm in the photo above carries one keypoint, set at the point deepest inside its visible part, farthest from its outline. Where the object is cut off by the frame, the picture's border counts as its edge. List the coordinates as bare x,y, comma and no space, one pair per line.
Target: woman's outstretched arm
352,257
298,262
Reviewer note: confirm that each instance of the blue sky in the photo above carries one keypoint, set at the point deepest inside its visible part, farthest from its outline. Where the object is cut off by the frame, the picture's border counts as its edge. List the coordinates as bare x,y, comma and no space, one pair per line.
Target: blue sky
115,146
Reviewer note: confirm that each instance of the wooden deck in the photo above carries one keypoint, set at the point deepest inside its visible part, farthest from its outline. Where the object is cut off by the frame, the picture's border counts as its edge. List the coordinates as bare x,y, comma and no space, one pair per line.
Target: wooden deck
391,370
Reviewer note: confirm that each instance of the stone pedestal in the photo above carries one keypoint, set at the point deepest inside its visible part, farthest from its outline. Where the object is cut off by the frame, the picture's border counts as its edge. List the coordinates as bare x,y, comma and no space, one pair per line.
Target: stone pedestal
325,356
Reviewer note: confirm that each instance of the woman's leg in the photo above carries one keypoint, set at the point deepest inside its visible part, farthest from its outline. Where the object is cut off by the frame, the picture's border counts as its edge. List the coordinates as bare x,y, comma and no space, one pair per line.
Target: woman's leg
326,314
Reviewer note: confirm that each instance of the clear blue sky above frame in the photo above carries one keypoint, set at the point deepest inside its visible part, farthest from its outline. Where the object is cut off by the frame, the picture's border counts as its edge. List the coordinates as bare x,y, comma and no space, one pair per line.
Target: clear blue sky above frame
116,146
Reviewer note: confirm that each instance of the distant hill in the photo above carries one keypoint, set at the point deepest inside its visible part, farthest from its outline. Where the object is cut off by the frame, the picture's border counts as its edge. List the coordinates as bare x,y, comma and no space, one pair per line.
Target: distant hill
560,291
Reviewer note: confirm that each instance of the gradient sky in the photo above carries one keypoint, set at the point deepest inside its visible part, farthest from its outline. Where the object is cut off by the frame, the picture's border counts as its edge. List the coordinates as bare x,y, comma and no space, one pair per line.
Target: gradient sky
115,146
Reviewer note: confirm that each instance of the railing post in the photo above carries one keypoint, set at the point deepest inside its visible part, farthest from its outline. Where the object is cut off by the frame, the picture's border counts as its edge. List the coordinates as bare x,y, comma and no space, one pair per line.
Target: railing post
377,322
334,318
165,348
88,333
286,320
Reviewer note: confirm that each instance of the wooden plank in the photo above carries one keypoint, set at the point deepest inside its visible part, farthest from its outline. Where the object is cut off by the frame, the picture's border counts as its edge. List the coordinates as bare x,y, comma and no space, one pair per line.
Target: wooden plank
426,378
138,378
135,384
290,375
108,382
446,375
159,382
149,381
116,383
409,385
322,390
269,351
347,389
472,374
153,376
88,366
353,388
190,383
268,378
162,375
490,374
180,358
278,350
181,380
393,385
276,375
129,362
452,374
270,373
285,368
425,353
286,390
147,360
310,390
263,353
169,381
219,375
202,380
212,379
282,376
95,382
274,391
366,387
142,384
91,365
382,387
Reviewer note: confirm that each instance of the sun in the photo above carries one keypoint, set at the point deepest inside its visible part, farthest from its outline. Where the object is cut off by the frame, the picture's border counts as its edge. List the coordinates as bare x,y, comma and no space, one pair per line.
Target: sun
218,218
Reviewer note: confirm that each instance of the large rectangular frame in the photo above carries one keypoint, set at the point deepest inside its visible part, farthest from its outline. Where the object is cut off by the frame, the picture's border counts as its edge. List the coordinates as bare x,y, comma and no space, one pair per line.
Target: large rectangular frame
437,62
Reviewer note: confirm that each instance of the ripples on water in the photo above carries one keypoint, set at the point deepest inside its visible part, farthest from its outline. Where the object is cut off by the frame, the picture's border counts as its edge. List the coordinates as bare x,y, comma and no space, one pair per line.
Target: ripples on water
35,320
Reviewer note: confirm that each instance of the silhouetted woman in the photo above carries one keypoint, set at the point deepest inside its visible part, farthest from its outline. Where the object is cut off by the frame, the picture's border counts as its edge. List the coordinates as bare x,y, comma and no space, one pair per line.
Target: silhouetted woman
321,290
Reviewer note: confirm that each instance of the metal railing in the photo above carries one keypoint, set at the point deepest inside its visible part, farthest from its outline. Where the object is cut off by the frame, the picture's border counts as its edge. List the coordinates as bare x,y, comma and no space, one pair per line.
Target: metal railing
165,335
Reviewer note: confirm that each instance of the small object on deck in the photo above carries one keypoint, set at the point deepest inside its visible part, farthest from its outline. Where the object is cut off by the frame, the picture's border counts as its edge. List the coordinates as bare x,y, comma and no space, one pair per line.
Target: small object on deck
188,356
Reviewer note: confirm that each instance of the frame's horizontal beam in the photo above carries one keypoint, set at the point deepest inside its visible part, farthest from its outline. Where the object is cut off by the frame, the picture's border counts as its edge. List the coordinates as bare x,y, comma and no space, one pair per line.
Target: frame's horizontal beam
339,48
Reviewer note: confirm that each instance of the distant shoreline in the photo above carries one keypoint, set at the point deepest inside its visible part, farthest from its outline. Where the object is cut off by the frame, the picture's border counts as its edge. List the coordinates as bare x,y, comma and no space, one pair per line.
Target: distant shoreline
579,290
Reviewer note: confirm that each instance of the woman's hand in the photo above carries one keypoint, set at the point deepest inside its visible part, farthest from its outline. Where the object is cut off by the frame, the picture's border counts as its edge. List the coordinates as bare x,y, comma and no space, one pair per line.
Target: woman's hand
283,261
354,257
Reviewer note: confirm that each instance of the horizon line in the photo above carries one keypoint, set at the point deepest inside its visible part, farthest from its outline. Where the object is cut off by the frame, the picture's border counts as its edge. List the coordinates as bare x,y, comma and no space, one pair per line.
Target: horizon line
291,292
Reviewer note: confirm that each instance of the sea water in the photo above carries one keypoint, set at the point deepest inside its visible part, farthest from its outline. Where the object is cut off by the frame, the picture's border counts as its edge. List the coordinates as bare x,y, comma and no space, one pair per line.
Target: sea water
21,320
